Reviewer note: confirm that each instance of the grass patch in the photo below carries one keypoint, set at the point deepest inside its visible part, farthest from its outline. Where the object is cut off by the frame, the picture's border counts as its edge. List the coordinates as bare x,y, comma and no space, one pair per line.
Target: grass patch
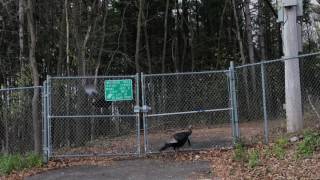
310,143
254,158
279,148
240,152
9,163
33,160
17,162
249,156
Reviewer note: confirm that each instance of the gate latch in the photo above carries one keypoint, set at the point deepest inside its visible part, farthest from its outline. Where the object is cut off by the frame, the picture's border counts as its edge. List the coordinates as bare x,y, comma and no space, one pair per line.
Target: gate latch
143,109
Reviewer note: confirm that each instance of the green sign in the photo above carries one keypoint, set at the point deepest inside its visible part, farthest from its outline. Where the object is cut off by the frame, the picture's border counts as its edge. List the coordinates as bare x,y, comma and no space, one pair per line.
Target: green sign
118,90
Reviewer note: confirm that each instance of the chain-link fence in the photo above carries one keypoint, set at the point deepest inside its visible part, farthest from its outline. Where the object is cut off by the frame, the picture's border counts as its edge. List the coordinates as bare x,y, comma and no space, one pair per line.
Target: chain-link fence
78,121
182,99
19,131
261,96
82,123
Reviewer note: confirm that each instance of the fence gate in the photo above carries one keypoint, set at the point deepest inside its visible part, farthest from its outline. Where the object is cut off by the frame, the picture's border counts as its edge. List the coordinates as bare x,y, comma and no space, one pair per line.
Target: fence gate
205,100
80,122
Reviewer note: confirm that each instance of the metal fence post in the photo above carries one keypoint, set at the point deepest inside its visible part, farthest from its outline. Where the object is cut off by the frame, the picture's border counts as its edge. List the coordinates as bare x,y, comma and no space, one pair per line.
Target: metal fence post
234,101
138,113
145,140
49,116
231,105
264,103
44,123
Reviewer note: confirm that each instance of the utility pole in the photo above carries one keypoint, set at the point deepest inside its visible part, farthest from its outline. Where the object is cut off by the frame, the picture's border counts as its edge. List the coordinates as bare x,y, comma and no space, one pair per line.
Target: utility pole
292,71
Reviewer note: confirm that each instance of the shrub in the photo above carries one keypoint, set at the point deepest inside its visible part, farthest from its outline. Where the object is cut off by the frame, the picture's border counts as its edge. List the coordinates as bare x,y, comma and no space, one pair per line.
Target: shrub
9,163
309,144
254,158
240,152
33,160
279,148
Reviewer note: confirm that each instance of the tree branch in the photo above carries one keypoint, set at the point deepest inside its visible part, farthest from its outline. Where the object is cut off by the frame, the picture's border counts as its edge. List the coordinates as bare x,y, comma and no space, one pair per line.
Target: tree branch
272,9
313,108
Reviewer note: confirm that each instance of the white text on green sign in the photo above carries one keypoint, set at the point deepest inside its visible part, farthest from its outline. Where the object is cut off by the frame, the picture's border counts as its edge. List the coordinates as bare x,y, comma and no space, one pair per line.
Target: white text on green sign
118,90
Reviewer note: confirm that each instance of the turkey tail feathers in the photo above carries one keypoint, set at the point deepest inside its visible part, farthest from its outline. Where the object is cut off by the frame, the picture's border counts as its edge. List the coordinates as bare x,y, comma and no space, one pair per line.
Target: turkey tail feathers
164,147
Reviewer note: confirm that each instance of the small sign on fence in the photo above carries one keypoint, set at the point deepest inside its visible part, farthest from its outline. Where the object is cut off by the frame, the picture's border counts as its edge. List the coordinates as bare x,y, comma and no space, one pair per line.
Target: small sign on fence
118,90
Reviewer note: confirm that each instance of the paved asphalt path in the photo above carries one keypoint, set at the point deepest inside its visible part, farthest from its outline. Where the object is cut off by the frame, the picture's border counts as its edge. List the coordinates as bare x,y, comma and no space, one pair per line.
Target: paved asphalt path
140,169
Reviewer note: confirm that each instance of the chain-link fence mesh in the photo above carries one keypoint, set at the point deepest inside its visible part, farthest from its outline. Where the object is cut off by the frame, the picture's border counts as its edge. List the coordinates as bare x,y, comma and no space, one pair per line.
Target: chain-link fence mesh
250,96
17,130
180,100
78,120
310,89
84,123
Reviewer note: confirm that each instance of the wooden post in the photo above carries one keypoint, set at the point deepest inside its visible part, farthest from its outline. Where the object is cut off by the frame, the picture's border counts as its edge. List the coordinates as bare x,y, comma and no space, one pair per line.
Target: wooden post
292,71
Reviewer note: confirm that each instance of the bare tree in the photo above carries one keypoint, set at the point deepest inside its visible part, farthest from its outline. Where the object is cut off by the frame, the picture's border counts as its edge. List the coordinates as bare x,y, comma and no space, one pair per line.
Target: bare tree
220,32
250,41
146,37
139,19
66,7
21,31
243,58
103,37
35,77
261,30
165,30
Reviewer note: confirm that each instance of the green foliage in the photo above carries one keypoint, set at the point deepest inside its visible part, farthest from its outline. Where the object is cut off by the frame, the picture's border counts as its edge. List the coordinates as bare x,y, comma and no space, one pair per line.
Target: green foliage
309,144
254,158
33,160
24,77
267,152
279,149
240,152
9,163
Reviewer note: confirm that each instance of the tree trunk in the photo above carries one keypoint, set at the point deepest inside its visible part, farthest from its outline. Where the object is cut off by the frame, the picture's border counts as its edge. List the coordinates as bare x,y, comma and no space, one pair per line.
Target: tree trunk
219,58
185,34
60,69
21,31
101,43
138,36
165,31
82,131
261,31
68,89
250,42
66,6
192,50
177,39
35,77
243,58
146,37
92,121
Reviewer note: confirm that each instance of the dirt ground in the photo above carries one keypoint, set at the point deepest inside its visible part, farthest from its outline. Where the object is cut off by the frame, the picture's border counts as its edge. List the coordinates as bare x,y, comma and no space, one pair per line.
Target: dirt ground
205,164
201,138
132,169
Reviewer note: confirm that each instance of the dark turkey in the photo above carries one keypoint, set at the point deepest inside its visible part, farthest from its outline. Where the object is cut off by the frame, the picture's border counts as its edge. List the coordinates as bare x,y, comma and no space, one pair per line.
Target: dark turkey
178,140
101,103
97,100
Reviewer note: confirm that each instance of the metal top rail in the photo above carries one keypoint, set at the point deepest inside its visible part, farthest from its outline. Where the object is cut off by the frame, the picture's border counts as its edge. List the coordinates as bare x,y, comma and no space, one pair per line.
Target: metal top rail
187,73
20,88
188,112
91,77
